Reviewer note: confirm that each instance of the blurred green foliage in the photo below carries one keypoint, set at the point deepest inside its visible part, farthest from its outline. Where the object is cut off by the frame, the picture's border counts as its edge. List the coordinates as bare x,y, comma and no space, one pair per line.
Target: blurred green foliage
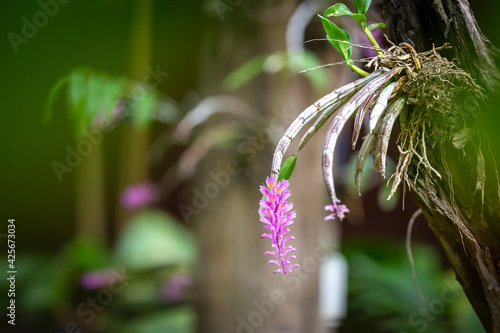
93,99
382,298
182,319
154,239
152,248
279,62
369,180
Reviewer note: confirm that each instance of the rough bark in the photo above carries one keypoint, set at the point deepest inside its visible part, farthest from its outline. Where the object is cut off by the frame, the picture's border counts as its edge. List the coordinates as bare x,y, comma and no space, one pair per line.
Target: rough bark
463,207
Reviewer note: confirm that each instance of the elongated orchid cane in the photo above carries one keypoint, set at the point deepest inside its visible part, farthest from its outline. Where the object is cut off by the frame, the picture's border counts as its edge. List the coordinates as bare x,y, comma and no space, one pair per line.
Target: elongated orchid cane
394,109
360,115
335,99
328,113
381,104
385,133
343,114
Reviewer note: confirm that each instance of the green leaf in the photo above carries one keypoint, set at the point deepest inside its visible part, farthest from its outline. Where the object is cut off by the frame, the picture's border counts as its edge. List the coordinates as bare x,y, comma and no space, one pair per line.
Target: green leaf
179,319
336,37
376,25
54,92
103,94
94,95
349,45
361,6
154,239
287,168
308,59
86,254
367,4
144,108
340,9
77,95
245,72
91,93
360,18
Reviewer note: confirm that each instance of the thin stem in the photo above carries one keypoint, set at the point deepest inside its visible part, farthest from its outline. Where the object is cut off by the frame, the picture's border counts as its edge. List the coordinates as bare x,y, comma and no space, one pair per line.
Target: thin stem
372,40
358,70
410,256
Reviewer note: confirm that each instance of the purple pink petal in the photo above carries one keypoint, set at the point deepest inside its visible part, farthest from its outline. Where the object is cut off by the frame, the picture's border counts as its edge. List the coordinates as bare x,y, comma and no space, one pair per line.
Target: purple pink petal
139,195
275,214
337,211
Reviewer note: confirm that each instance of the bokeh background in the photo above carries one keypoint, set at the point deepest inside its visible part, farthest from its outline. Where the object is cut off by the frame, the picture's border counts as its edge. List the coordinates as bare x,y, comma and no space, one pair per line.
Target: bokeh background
134,137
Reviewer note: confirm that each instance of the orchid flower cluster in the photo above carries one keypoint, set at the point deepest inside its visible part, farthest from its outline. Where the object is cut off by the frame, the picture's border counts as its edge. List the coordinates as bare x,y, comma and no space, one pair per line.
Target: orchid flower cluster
274,213
380,93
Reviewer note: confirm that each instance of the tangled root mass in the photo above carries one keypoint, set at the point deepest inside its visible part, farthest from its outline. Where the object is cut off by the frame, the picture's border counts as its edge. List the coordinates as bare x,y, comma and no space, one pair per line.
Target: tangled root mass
442,101
445,94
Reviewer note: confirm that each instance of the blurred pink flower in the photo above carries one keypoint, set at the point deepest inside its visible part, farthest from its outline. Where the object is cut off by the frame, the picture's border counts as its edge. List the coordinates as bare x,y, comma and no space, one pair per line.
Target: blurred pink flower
139,195
99,279
174,287
118,112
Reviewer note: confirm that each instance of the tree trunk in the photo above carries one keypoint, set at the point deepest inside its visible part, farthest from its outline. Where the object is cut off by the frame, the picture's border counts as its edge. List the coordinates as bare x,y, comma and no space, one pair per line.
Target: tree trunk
135,141
237,290
463,207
